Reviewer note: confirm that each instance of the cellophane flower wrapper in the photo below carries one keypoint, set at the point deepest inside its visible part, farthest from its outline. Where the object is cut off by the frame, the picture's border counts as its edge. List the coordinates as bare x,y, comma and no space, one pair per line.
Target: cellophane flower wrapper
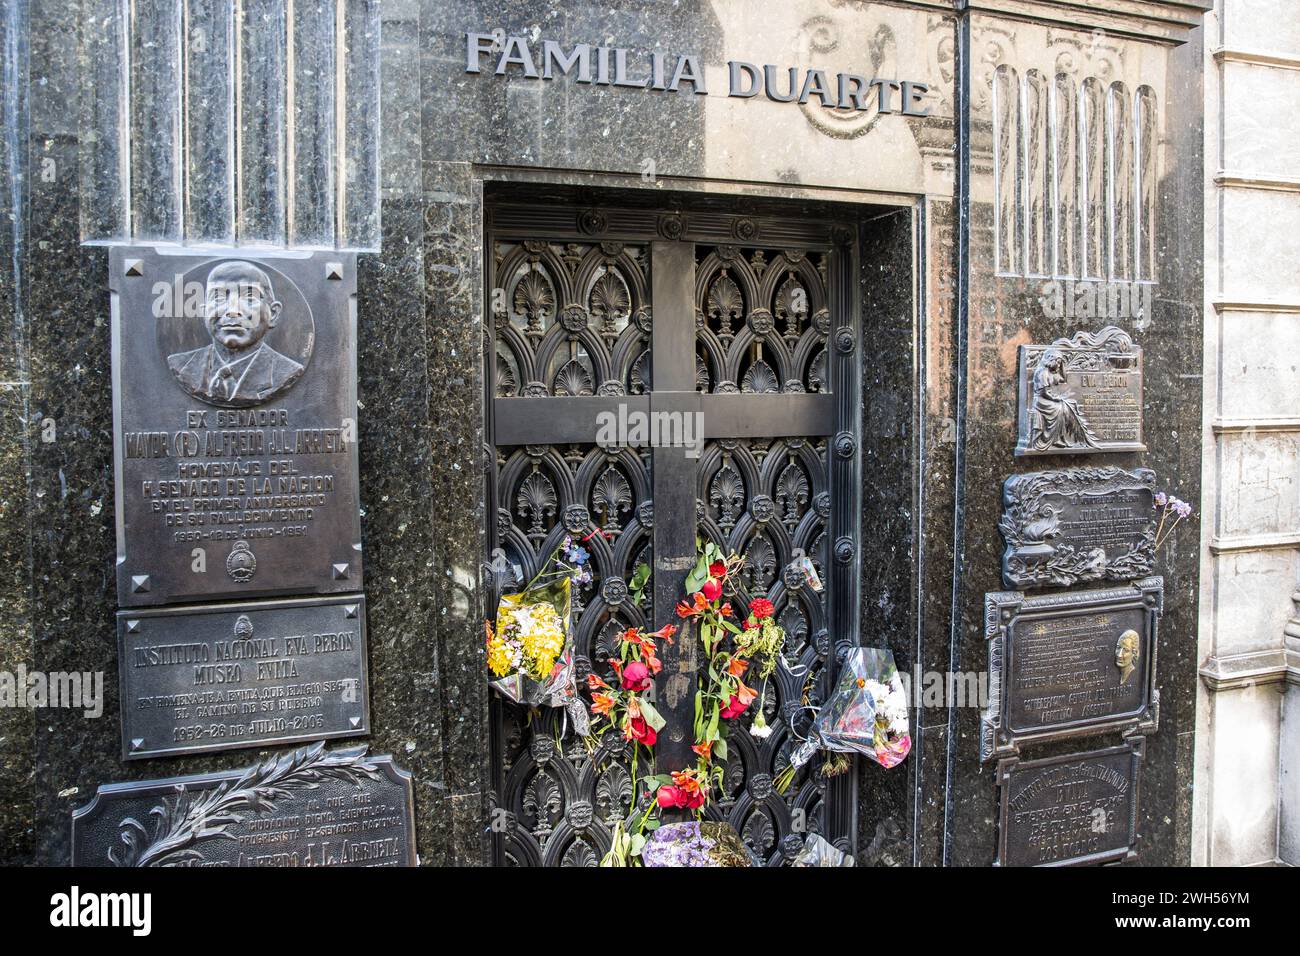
560,687
866,714
696,844
818,852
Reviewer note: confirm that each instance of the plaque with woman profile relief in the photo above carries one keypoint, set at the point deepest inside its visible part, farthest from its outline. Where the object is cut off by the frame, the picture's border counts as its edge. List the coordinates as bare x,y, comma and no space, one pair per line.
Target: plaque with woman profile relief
1076,663
234,412
1081,395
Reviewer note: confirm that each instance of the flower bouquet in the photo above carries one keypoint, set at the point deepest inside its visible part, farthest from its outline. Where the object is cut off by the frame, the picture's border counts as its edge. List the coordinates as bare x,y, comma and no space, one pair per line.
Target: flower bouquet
696,844
530,650
817,852
866,714
730,650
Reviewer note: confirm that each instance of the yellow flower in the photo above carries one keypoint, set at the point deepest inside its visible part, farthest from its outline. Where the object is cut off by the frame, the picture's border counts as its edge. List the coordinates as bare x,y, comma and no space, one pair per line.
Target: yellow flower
498,657
541,635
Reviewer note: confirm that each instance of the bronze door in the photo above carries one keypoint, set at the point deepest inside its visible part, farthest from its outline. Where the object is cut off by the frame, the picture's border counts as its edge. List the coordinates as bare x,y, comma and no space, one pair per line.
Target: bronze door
749,324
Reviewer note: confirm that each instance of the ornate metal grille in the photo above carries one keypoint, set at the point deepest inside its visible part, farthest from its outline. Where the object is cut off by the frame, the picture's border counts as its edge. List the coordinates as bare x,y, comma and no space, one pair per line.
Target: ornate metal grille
749,322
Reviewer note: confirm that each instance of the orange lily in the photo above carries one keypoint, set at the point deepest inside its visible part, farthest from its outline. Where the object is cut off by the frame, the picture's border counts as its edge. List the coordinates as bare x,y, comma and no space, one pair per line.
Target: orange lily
705,750
737,667
665,633
744,694
687,610
602,703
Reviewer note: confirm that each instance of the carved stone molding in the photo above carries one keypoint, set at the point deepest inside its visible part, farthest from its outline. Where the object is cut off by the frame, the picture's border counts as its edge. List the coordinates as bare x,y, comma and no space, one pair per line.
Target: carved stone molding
1166,21
1240,671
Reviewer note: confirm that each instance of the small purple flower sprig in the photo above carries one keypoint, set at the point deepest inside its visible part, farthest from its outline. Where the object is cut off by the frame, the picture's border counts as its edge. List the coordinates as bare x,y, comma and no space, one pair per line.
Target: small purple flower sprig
1170,507
575,559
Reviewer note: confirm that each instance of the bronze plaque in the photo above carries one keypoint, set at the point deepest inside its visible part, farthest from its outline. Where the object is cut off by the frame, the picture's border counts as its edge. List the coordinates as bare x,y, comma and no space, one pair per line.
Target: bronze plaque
234,424
1071,810
309,807
1081,524
1067,664
1081,395
226,676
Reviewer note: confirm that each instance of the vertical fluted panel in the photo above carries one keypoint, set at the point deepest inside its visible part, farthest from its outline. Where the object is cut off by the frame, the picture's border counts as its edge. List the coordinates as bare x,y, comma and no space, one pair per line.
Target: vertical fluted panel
1035,164
360,99
260,122
217,121
314,127
1092,180
1065,177
1074,177
154,82
1146,133
105,160
209,118
1006,170
1120,180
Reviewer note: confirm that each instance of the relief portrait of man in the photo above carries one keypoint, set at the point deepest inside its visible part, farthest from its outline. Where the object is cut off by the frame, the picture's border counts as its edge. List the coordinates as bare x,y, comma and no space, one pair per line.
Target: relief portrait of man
238,367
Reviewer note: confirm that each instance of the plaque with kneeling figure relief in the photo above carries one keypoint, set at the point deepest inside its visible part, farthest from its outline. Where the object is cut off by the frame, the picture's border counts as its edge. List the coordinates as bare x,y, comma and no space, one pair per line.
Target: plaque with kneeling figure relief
225,676
234,424
308,807
1061,665
1081,395
1071,810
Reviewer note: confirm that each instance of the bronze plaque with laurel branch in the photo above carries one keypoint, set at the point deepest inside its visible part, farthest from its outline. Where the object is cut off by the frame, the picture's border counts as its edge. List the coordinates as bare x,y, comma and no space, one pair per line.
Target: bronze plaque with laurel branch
307,807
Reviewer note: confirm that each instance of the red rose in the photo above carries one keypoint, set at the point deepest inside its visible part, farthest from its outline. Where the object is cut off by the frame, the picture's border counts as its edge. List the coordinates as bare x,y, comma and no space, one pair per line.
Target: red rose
734,708
712,589
717,570
670,796
636,676
693,801
642,732
761,608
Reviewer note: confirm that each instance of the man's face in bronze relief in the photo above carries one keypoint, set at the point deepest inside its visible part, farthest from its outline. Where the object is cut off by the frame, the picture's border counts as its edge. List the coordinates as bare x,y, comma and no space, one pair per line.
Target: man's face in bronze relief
240,306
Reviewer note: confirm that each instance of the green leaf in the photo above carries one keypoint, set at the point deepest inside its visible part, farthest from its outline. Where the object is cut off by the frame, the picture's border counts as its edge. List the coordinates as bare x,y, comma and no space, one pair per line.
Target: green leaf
651,716
699,574
638,841
640,576
720,748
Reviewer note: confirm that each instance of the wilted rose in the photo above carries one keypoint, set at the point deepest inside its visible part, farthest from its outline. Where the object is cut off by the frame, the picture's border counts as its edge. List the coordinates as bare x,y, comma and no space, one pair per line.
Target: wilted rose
636,677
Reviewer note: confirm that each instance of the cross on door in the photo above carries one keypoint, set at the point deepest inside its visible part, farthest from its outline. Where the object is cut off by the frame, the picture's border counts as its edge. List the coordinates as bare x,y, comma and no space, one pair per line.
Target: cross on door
675,473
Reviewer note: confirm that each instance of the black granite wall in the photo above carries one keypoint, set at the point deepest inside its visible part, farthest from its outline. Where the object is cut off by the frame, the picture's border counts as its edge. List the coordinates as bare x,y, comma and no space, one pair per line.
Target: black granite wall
937,433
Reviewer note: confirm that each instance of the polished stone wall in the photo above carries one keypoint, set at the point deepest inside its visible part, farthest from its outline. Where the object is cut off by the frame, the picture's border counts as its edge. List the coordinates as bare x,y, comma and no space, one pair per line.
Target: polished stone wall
938,426
1247,765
